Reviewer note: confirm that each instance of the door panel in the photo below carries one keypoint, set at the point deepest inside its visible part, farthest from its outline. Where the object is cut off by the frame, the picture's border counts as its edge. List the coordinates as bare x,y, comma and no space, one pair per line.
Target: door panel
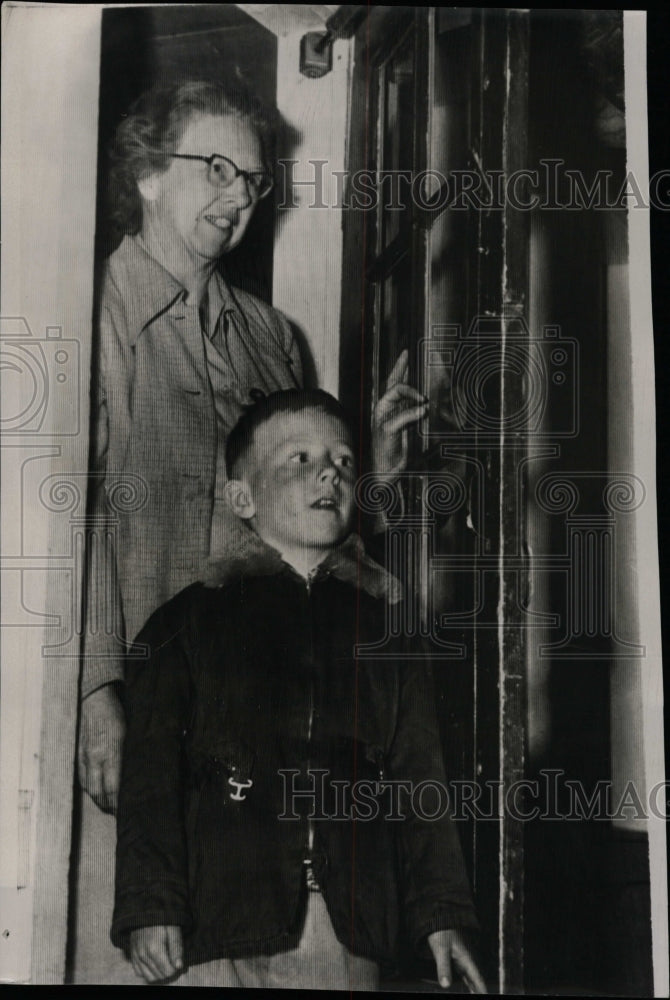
438,96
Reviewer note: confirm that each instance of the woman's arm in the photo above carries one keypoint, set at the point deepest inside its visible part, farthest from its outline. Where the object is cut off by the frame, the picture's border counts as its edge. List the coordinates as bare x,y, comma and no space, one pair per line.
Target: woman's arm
102,724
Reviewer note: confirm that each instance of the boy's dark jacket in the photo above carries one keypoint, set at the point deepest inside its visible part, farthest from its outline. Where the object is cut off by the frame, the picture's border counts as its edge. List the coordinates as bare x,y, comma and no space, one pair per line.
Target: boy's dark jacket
241,667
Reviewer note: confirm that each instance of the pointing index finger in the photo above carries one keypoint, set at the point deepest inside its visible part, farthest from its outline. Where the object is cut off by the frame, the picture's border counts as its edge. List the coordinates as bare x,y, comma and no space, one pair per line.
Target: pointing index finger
399,370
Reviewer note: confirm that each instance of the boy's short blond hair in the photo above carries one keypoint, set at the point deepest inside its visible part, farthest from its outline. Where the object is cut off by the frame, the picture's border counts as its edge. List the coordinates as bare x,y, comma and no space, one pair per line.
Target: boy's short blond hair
265,408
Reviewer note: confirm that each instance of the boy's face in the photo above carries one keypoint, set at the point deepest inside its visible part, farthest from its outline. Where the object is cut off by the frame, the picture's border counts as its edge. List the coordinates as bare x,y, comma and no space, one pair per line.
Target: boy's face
300,473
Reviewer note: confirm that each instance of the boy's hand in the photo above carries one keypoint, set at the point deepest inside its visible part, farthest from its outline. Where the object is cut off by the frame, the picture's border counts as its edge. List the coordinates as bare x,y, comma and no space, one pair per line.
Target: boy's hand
400,406
156,952
449,947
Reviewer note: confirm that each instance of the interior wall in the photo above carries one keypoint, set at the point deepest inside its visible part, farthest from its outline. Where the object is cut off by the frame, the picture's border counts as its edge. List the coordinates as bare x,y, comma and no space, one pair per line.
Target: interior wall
308,243
49,109
627,723
592,714
640,412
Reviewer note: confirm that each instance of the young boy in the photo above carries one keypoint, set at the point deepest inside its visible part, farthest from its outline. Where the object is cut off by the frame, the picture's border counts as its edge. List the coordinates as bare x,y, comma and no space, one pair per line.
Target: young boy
258,842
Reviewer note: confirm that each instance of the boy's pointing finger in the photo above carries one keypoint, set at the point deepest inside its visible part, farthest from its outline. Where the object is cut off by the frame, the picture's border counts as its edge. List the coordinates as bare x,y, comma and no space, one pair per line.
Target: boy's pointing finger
406,418
399,370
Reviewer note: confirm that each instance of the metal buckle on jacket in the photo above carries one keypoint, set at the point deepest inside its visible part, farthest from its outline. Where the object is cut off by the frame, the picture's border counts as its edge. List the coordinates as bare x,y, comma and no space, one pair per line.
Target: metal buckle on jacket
316,867
310,878
239,786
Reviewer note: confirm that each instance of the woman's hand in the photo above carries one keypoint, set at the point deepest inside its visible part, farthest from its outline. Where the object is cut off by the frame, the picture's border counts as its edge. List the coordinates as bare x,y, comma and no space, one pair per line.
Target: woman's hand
101,734
400,406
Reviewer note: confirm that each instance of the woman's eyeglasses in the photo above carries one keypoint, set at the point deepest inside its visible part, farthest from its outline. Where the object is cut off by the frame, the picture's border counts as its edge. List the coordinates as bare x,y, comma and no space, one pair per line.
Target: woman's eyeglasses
223,172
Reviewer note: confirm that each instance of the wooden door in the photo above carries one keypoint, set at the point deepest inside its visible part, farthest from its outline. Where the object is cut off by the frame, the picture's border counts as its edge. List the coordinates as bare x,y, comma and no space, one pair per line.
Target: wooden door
502,424
441,96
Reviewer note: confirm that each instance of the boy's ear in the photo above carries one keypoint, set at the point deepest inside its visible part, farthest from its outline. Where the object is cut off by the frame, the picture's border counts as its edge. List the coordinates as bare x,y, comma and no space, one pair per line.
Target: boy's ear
239,499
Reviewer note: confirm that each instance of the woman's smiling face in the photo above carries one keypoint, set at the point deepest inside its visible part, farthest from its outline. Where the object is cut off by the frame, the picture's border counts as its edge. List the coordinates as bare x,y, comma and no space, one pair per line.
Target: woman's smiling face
183,209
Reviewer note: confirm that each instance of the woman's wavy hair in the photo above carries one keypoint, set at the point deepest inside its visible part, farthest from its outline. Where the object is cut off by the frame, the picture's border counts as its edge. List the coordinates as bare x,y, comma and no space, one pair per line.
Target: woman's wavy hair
153,128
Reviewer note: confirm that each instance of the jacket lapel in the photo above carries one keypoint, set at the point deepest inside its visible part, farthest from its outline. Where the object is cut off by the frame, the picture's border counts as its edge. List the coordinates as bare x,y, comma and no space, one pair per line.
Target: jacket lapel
247,555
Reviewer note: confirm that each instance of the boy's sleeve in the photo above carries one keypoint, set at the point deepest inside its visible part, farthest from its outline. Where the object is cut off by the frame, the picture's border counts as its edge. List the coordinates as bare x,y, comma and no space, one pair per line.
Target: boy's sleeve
151,858
434,882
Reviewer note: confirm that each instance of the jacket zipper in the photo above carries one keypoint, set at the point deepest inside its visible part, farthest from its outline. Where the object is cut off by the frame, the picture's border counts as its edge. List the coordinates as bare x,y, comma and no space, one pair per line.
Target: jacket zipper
310,725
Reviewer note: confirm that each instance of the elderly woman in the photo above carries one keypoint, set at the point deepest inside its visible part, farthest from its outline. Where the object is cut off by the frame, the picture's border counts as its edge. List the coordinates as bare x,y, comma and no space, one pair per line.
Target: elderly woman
179,354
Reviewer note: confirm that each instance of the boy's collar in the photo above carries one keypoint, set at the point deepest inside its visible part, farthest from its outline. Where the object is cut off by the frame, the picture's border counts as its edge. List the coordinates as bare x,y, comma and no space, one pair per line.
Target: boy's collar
248,555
